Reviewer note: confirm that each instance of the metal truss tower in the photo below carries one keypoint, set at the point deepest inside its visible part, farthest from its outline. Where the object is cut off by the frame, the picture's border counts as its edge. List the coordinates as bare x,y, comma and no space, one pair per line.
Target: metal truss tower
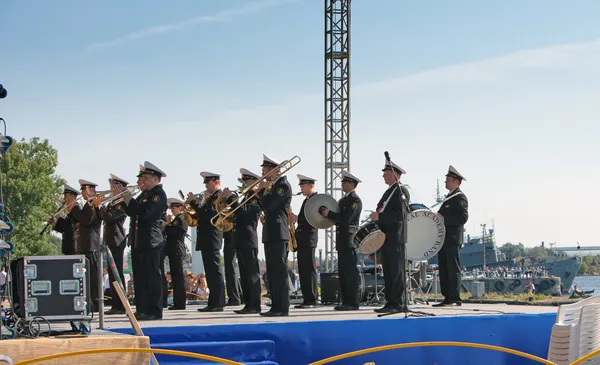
337,106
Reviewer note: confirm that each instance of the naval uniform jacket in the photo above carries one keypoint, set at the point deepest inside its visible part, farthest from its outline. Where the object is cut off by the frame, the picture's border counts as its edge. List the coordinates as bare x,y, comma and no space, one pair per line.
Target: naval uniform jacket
456,214
306,235
390,219
176,232
88,226
208,237
149,211
276,203
114,217
246,222
132,235
346,220
67,226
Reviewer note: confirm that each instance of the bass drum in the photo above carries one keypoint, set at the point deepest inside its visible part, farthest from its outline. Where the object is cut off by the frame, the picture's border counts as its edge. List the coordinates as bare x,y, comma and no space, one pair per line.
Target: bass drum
425,233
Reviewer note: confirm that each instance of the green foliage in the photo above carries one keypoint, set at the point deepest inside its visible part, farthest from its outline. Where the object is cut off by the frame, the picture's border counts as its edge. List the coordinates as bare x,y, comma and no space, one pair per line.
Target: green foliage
31,188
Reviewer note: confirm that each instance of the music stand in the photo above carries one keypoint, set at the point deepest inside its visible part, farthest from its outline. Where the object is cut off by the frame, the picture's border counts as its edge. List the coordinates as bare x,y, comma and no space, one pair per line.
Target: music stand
403,260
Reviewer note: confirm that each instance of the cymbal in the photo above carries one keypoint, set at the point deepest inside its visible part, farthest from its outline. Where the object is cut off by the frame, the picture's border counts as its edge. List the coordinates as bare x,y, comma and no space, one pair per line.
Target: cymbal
311,210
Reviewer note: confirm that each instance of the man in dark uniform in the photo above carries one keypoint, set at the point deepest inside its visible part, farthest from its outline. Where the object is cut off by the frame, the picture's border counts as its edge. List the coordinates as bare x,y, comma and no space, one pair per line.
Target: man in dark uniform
67,226
455,210
347,221
246,239
114,238
307,237
88,237
391,212
176,230
149,212
210,241
132,239
275,198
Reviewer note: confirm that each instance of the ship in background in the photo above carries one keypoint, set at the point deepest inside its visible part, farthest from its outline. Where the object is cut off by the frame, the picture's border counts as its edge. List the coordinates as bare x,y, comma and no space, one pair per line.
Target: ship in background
471,257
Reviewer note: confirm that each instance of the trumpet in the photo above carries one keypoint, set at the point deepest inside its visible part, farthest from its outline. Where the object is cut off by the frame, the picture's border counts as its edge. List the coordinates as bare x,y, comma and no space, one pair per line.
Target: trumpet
226,211
188,212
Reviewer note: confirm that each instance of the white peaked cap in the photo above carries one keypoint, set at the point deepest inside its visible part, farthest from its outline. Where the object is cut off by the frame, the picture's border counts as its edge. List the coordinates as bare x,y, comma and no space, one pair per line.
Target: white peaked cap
116,178
269,160
69,189
148,166
208,174
83,182
174,201
306,179
395,167
246,172
348,176
454,173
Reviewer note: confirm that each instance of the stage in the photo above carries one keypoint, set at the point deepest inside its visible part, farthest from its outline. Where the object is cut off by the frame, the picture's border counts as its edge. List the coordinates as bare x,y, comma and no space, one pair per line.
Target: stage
309,335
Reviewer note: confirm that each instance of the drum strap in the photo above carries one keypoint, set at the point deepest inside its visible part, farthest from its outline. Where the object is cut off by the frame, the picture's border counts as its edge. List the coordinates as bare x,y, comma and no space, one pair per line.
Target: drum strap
452,196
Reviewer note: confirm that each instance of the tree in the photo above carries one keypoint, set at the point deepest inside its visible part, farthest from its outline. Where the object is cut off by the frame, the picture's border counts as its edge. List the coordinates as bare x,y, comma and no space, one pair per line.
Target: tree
31,188
512,251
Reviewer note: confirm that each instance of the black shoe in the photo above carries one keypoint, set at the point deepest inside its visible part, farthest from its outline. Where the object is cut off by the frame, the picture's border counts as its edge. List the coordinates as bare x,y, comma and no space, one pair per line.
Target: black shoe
274,314
390,310
210,309
114,311
346,308
304,306
232,303
247,311
176,308
149,317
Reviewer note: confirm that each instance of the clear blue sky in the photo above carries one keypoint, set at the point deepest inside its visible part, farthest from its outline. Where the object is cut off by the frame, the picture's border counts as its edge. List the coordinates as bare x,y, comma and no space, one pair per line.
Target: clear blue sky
505,91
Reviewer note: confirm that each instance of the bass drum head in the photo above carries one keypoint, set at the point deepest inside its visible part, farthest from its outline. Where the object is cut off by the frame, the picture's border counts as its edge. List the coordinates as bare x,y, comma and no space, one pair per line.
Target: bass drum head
425,234
372,242
417,206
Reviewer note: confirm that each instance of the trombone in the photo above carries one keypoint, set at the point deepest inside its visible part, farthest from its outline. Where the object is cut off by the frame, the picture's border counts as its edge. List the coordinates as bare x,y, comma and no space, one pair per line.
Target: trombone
223,214
109,197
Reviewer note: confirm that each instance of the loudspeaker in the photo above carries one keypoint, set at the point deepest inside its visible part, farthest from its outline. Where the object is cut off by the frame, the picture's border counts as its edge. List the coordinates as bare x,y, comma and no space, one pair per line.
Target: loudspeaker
52,287
330,287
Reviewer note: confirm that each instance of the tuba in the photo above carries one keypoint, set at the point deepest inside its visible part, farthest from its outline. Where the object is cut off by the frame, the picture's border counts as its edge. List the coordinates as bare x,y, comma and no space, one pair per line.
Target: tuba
293,245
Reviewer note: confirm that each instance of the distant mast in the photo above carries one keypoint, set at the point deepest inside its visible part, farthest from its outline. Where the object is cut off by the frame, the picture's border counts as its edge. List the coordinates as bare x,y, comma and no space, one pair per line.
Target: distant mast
438,196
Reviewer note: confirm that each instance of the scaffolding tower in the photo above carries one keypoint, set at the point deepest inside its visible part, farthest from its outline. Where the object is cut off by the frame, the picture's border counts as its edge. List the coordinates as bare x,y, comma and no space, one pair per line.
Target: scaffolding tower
337,106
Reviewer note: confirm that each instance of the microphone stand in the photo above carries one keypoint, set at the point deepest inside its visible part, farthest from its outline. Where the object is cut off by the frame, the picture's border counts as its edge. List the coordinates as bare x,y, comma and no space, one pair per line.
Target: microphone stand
405,211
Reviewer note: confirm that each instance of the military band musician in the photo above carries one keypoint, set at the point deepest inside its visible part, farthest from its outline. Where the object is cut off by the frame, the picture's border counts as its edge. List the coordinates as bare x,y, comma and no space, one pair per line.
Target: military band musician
209,240
389,216
275,198
89,222
455,211
246,240
346,221
307,238
114,237
149,213
176,231
67,225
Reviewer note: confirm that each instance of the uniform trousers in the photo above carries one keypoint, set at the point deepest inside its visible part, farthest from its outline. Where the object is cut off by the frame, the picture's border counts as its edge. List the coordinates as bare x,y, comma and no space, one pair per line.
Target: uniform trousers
349,277
95,287
250,273
449,271
307,270
392,261
149,282
243,282
214,277
232,275
117,255
177,278
276,258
